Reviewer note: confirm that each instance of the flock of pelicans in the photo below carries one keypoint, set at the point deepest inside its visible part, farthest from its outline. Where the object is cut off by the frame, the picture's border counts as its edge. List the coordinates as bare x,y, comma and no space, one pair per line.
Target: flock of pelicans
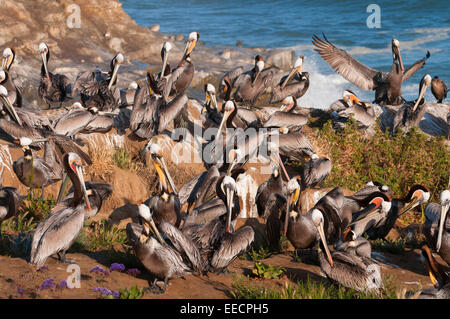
172,243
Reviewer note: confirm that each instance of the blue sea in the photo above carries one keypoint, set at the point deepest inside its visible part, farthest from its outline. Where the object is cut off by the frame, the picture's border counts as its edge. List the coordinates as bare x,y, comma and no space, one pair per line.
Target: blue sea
418,25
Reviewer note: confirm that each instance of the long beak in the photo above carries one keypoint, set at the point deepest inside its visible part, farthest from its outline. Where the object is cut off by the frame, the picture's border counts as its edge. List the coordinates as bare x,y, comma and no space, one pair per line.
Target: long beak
83,186
231,166
214,101
169,177
107,113
282,166
189,47
290,76
11,110
151,225
4,62
256,77
44,61
39,140
431,268
399,57
324,242
62,189
367,212
286,217
114,75
224,119
423,89
166,57
444,210
159,170
230,202
409,206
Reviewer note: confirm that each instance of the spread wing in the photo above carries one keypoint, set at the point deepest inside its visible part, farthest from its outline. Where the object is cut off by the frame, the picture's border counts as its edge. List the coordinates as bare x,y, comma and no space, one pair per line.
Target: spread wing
413,68
347,66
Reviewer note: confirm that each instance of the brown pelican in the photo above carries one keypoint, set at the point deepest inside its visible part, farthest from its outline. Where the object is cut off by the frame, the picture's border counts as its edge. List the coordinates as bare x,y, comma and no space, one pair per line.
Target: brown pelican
387,86
176,257
274,185
218,243
374,209
354,245
14,90
438,276
213,117
166,206
437,226
53,88
58,231
8,105
181,77
165,50
439,89
417,195
352,271
294,145
315,171
9,202
303,230
152,116
286,117
81,120
296,88
251,84
351,106
96,89
411,113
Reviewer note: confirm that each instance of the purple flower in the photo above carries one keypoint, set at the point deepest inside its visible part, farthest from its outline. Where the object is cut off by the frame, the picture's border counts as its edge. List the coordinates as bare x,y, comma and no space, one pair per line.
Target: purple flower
116,266
99,270
106,292
47,284
42,268
20,290
63,284
133,271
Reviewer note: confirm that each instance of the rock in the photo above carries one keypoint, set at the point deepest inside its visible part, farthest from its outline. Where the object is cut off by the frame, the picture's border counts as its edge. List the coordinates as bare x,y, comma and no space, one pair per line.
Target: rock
281,58
154,27
116,44
179,37
226,54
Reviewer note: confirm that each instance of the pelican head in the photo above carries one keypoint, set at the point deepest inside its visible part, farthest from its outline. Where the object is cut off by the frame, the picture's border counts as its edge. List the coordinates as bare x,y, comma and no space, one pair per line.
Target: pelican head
115,64
424,84
210,96
445,205
190,45
45,55
350,98
314,156
161,168
396,54
417,195
228,187
297,69
8,58
149,224
376,203
318,221
75,164
9,107
167,46
293,190
288,104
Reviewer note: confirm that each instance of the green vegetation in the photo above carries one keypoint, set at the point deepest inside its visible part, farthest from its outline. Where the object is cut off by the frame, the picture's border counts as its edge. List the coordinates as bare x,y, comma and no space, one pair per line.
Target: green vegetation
263,271
131,293
308,289
121,157
255,255
99,236
398,161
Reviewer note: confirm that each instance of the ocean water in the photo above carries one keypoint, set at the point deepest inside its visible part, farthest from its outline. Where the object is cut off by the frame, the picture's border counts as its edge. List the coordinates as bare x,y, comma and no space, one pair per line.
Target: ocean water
418,25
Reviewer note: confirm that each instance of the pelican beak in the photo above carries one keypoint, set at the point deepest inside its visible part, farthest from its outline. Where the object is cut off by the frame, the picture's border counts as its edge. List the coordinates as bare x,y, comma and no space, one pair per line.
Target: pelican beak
230,203
151,225
226,114
258,71
44,61
434,275
79,171
4,63
413,203
280,162
286,217
324,242
423,89
62,189
444,210
39,140
214,101
399,58
189,47
157,164
233,157
354,99
290,76
372,209
114,74
165,58
169,177
11,110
